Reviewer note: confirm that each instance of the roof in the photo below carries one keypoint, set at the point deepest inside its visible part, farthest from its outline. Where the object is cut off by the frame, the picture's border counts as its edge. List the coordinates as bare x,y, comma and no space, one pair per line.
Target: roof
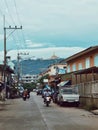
81,53
87,71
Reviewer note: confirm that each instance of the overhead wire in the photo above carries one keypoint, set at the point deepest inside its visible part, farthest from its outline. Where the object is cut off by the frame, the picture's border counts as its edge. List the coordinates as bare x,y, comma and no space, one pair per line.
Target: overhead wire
4,10
7,12
18,18
17,34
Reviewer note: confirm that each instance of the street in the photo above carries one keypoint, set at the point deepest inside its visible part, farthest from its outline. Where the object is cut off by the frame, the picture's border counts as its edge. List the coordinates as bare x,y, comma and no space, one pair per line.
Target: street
32,114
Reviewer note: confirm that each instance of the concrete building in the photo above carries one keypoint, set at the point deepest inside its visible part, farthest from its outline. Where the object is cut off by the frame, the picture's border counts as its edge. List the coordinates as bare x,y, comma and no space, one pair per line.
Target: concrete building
83,68
29,78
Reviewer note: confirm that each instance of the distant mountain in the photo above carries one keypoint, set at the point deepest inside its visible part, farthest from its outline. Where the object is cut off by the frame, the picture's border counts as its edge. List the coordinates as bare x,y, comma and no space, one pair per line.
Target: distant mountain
31,66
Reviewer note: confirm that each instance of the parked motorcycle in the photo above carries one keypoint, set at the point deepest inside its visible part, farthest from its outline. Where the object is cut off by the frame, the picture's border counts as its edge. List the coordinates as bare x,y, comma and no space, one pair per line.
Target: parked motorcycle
47,100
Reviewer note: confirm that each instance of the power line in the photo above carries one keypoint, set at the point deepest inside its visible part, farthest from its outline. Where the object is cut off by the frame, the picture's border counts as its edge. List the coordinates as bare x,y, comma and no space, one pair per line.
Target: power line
17,12
9,12
19,20
2,12
13,19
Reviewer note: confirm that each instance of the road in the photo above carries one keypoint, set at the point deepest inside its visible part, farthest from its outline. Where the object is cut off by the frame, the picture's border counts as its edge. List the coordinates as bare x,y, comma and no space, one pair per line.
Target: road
32,114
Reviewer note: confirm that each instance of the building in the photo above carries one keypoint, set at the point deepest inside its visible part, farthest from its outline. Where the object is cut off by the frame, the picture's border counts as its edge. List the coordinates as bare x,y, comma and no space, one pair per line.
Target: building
83,68
29,78
58,68
6,82
83,65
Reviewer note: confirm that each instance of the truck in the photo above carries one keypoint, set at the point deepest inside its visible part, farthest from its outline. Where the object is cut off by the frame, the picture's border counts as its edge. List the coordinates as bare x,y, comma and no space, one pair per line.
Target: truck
68,95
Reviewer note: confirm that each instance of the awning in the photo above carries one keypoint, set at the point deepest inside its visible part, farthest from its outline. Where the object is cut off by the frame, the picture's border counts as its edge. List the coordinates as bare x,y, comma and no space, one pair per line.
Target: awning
93,69
64,83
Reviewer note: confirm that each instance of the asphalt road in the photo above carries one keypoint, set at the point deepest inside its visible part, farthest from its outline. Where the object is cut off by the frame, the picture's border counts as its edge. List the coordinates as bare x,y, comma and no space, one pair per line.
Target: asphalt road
32,114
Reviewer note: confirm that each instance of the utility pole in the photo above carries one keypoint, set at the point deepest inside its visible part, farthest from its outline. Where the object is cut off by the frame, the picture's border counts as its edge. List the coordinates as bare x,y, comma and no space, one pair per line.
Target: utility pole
18,69
5,61
18,65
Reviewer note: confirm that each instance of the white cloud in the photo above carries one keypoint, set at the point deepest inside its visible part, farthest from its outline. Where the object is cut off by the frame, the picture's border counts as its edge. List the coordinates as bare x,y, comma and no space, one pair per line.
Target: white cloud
45,53
31,44
68,19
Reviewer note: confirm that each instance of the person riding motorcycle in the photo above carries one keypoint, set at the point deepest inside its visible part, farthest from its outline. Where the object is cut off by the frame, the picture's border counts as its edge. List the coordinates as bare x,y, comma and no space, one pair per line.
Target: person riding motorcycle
47,94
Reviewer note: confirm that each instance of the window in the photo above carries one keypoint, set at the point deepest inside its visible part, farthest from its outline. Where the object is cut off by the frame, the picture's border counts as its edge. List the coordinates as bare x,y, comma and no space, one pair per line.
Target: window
96,60
87,63
74,67
80,66
68,68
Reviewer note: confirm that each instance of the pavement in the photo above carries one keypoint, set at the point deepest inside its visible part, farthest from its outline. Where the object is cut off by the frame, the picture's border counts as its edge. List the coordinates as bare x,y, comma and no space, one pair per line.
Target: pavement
10,101
4,103
95,112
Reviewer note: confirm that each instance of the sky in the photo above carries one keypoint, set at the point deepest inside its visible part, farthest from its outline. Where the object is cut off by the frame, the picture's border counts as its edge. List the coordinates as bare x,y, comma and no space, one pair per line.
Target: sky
63,27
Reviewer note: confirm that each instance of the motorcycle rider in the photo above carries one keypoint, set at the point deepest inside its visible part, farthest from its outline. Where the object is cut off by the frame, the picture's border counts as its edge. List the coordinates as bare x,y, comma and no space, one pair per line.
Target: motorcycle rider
25,92
24,96
47,94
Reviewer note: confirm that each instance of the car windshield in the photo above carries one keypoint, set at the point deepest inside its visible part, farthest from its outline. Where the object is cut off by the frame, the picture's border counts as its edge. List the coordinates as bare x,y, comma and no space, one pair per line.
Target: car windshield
68,91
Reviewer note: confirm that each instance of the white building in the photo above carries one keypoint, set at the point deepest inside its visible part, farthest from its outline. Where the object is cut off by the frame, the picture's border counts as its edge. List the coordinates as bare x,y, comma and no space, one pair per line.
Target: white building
29,78
58,68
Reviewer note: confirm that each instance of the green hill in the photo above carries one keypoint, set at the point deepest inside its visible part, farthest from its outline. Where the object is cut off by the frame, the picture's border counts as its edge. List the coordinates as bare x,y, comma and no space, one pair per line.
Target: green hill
34,66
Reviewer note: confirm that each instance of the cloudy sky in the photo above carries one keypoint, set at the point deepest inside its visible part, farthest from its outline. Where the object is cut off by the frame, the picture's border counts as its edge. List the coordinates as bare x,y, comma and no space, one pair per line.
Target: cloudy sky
63,27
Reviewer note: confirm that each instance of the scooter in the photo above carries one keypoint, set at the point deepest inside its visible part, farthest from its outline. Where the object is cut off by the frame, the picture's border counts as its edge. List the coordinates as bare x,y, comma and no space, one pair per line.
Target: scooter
47,100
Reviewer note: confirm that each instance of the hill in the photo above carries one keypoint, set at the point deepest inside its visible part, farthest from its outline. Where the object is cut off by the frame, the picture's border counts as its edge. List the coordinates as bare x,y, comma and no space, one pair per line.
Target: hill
34,66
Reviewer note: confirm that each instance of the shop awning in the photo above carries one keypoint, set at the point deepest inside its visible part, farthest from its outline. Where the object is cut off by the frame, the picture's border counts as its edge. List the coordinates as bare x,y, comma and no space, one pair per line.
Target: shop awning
64,83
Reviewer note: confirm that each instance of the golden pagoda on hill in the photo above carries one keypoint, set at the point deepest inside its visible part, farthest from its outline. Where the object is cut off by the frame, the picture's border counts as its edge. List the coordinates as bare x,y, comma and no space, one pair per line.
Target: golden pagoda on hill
54,56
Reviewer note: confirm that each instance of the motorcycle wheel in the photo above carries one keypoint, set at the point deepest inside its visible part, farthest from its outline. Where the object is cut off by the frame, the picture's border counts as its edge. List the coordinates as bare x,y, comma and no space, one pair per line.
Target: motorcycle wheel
47,104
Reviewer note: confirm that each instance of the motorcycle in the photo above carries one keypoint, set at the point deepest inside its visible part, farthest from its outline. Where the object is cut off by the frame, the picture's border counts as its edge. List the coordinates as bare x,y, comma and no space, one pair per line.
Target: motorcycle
28,95
47,100
24,97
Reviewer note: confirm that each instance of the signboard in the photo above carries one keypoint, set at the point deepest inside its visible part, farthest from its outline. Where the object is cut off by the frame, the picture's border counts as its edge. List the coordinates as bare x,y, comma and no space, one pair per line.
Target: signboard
45,80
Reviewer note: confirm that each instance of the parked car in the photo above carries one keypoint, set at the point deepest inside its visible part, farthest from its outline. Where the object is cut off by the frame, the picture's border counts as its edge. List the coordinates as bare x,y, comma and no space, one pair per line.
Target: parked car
67,95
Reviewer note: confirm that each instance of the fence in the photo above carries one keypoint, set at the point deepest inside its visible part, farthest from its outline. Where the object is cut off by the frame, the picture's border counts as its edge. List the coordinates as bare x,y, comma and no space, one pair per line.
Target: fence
88,93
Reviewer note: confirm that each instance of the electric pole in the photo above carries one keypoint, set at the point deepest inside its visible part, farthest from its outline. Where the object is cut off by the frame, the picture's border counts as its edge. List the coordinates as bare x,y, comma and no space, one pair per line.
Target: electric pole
19,70
7,28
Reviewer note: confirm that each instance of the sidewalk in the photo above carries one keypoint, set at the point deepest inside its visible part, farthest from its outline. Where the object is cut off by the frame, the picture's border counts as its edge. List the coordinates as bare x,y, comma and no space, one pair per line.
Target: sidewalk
4,103
95,112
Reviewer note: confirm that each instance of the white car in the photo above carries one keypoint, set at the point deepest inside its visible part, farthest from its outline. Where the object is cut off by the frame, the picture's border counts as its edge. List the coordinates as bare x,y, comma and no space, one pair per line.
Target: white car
67,95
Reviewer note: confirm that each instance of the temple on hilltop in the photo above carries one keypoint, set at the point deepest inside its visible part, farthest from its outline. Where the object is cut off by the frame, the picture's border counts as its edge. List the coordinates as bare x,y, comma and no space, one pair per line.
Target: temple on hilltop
54,56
